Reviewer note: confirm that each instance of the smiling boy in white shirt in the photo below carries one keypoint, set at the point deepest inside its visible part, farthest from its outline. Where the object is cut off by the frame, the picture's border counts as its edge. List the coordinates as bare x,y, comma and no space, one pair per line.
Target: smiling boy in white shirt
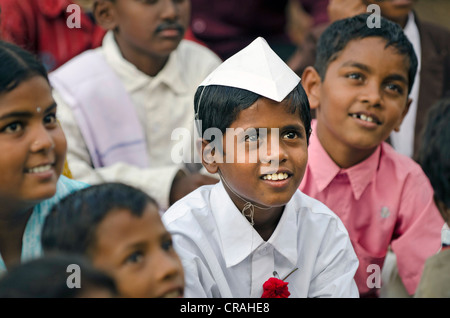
255,224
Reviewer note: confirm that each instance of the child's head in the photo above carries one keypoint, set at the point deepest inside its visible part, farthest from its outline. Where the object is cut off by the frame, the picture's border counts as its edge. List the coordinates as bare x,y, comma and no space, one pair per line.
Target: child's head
30,137
359,85
434,154
242,102
144,27
48,277
119,229
337,36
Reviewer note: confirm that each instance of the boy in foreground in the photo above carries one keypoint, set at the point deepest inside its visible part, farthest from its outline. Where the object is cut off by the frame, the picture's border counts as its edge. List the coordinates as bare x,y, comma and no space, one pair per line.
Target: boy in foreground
254,234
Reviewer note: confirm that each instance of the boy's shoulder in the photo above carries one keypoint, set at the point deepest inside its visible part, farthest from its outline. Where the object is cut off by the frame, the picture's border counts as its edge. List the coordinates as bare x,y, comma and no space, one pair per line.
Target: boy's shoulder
194,56
197,201
402,166
82,67
310,208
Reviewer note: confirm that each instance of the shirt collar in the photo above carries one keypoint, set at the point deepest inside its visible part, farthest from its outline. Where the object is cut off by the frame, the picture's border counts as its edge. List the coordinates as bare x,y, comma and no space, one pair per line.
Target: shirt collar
239,239
325,170
134,79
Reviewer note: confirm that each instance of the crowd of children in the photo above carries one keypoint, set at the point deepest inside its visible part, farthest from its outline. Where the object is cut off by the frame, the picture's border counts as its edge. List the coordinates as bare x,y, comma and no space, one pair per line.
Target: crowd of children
285,203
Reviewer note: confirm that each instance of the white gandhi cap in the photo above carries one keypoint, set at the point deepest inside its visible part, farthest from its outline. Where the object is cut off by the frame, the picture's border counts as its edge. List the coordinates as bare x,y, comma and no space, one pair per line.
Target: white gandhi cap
256,68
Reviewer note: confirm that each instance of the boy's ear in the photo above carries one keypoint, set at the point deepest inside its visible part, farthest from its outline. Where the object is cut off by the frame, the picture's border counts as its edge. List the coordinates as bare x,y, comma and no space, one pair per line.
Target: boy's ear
311,82
208,159
405,111
105,14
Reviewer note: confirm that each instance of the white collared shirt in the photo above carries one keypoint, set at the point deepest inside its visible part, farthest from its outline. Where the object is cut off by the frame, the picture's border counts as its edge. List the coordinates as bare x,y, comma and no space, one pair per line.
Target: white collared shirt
163,103
403,141
223,256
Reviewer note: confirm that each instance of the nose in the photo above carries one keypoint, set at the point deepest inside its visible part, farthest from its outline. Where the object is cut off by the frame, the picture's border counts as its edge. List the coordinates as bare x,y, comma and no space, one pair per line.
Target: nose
169,10
42,140
168,267
371,94
275,151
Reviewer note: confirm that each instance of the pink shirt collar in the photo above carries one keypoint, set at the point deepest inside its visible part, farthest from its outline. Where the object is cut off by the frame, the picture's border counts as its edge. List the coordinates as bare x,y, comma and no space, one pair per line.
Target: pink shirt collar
324,169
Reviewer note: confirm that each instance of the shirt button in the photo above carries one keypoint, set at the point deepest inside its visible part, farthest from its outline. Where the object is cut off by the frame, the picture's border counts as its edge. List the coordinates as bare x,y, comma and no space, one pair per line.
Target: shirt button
264,250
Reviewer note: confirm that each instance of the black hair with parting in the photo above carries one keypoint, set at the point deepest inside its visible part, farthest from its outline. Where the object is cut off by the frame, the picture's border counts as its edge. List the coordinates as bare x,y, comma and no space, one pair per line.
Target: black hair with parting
16,66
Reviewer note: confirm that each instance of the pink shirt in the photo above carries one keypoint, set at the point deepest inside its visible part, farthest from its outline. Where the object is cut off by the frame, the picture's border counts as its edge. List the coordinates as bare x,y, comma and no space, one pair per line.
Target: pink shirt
384,200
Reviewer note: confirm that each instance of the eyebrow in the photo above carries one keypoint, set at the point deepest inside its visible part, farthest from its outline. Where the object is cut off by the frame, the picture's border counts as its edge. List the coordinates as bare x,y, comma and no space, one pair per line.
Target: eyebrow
26,114
394,77
293,127
357,65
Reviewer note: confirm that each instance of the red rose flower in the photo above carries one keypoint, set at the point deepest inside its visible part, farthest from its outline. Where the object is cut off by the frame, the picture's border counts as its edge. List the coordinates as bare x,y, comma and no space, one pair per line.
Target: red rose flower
275,288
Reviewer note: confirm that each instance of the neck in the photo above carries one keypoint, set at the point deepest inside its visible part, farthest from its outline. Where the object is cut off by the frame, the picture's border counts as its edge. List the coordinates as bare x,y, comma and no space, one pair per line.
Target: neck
148,64
12,227
263,218
344,156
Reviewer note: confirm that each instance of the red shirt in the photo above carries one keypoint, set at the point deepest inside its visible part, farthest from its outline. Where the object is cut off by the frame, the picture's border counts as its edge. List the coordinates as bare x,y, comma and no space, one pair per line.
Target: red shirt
40,26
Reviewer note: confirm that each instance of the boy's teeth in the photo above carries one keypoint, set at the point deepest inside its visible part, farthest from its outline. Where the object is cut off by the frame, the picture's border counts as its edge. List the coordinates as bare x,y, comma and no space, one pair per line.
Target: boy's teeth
40,169
275,176
364,117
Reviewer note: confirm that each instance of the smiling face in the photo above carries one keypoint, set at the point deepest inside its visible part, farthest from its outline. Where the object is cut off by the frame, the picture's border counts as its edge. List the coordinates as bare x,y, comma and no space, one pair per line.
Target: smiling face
138,252
363,97
145,27
272,178
33,145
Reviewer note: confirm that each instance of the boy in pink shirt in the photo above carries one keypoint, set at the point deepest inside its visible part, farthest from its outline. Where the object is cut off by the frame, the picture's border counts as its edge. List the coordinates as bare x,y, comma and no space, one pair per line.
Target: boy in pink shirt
359,87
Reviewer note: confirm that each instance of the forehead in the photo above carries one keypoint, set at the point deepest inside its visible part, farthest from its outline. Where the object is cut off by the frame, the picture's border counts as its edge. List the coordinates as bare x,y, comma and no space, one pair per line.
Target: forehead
121,227
373,52
268,113
31,92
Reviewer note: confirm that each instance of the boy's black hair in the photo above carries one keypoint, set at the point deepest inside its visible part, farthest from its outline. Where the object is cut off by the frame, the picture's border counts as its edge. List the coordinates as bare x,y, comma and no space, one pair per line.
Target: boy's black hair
336,37
434,151
220,106
72,223
46,277
16,66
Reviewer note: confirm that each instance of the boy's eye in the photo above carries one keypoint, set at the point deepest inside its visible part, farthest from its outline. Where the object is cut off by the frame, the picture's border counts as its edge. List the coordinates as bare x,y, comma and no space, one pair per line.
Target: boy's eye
13,127
291,135
50,119
135,257
395,87
355,76
251,138
167,244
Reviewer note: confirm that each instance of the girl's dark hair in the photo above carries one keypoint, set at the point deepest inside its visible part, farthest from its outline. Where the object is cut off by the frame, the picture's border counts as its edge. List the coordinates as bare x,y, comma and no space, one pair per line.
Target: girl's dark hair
72,223
220,105
336,37
16,66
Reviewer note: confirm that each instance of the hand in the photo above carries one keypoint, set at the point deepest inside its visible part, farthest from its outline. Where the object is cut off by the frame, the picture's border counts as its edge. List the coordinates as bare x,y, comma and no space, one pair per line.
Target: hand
341,9
184,184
